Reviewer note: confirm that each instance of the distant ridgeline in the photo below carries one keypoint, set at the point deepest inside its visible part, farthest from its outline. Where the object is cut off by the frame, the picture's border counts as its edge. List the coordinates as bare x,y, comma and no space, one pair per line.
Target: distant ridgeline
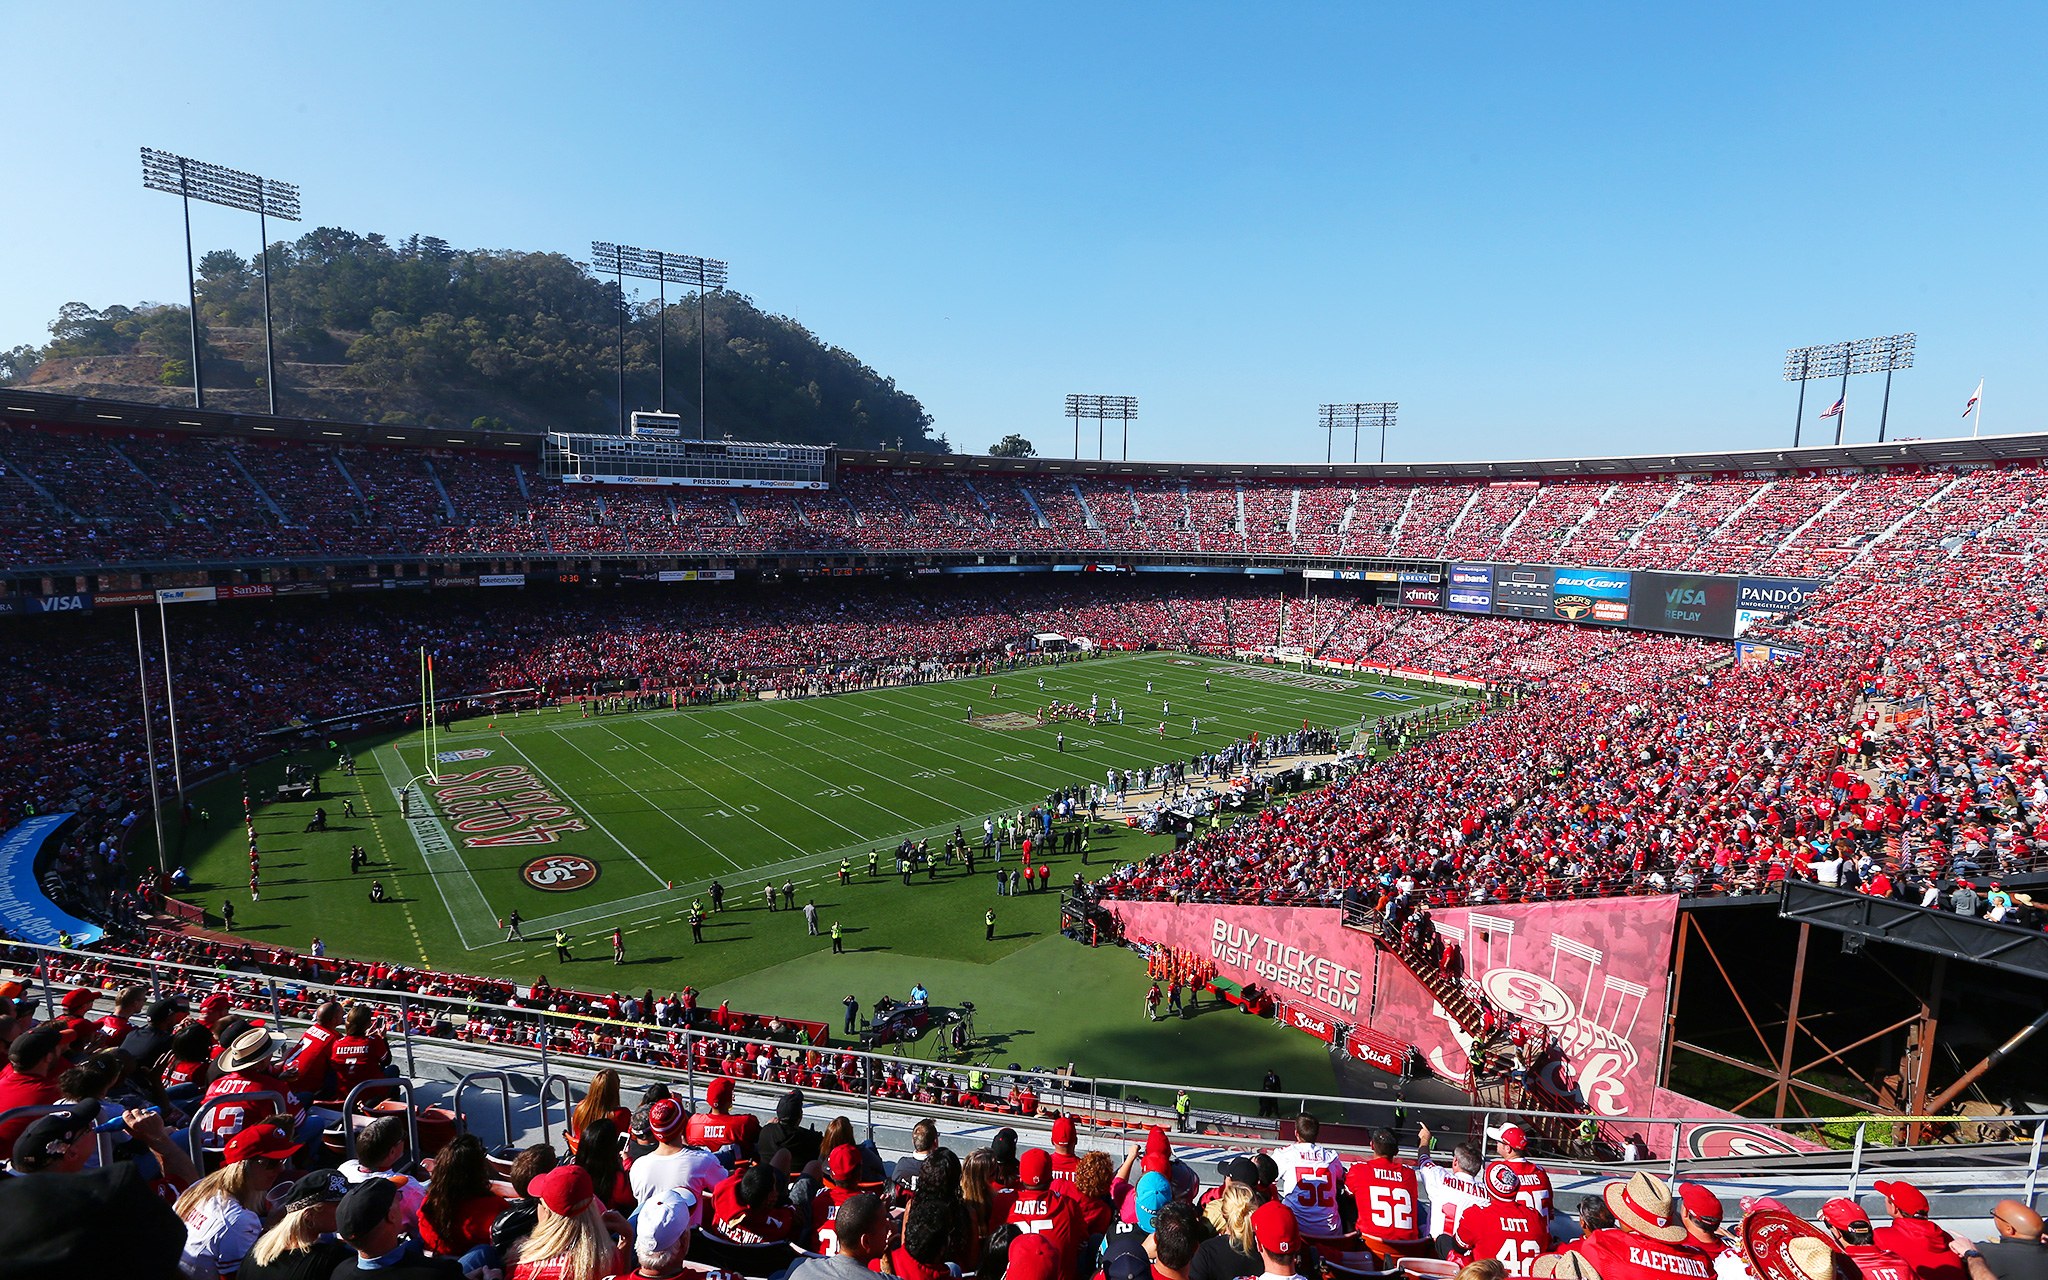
420,333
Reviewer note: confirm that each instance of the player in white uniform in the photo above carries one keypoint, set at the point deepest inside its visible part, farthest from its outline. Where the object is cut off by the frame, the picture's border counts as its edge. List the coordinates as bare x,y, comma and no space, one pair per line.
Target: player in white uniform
1449,1190
1310,1177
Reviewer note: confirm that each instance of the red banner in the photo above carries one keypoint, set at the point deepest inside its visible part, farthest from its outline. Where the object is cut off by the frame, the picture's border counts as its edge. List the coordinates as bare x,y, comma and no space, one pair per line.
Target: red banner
1378,1050
1320,1025
1592,973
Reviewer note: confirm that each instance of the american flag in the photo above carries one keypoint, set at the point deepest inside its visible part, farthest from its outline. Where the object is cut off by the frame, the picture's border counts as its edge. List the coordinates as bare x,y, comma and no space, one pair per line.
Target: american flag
1835,411
1974,396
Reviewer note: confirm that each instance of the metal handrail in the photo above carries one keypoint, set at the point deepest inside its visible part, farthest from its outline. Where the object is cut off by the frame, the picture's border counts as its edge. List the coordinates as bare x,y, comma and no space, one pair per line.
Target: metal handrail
547,1090
504,1080
412,1117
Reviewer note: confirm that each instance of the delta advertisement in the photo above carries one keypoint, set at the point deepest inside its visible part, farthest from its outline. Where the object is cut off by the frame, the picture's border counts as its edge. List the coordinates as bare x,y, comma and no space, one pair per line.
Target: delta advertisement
1590,595
1469,588
1761,599
1594,973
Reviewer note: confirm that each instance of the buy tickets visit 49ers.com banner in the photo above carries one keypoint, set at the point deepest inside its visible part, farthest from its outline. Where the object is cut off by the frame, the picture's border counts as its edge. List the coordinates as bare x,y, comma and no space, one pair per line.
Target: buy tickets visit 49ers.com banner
1593,973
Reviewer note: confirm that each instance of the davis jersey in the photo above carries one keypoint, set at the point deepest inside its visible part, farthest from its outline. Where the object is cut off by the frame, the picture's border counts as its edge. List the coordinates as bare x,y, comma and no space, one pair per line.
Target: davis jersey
1308,1182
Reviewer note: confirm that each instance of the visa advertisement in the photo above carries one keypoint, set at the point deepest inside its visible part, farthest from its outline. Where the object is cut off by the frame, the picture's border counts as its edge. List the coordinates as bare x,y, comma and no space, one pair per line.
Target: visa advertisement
1468,588
1590,595
1693,604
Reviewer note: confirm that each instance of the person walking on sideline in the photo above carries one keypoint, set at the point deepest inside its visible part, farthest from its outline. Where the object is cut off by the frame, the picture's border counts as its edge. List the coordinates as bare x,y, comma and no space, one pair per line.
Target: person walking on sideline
811,916
618,946
562,946
988,920
512,933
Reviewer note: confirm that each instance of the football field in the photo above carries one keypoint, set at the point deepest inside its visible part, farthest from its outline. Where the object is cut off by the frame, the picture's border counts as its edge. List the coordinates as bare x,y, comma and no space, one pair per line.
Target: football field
622,820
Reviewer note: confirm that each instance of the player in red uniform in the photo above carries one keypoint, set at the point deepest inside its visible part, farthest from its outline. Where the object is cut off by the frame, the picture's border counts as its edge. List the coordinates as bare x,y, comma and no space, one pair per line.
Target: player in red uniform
1510,1147
1038,1208
1385,1192
1504,1228
717,1130
360,1053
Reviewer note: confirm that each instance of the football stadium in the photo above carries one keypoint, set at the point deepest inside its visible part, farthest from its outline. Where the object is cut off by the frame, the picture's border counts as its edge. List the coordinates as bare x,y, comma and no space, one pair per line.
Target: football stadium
666,828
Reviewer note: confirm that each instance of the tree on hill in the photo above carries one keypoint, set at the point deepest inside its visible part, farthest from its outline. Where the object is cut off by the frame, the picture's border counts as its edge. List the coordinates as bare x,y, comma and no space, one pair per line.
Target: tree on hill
1012,446
421,322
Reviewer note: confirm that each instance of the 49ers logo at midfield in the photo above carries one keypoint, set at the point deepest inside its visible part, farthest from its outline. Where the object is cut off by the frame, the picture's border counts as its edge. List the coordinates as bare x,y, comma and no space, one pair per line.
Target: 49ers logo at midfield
560,872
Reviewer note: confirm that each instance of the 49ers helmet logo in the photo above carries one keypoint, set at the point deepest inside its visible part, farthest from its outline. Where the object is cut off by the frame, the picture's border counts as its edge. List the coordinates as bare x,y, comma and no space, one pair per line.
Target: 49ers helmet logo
560,872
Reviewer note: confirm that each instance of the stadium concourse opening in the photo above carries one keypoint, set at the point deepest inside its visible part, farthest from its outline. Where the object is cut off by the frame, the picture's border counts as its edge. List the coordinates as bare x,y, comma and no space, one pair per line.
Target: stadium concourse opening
1522,791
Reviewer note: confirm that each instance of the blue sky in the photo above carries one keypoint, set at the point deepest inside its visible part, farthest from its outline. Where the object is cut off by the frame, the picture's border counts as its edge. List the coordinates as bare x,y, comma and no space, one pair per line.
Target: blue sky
1544,230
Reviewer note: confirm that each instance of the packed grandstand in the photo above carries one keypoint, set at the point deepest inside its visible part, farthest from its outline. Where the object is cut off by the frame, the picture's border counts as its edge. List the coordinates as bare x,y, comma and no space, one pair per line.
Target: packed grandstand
1885,738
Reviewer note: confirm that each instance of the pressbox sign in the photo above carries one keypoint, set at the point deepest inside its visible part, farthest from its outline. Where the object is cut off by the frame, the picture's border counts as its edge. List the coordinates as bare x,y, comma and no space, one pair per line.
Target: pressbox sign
1593,973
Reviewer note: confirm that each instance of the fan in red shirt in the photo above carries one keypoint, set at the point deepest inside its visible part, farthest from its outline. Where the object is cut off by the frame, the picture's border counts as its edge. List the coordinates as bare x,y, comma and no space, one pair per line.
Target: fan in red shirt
76,1020
718,1130
743,1208
1858,1255
115,1027
1385,1192
1064,1161
359,1054
1649,1243
1534,1184
34,1061
1039,1208
311,1065
1911,1236
1504,1228
842,1183
245,1067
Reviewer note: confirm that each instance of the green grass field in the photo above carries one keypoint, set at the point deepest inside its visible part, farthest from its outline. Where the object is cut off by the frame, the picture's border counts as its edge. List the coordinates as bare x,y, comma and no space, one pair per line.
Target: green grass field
762,793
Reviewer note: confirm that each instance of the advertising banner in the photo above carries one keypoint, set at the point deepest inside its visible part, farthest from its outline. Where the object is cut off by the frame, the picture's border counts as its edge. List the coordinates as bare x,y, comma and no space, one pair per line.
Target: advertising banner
12,606
697,482
108,599
501,580
1692,604
1411,575
1320,1025
1377,1049
26,912
185,595
299,589
1422,595
1590,595
1712,1140
248,591
459,580
1522,590
1594,973
694,575
1761,599
75,602
1469,588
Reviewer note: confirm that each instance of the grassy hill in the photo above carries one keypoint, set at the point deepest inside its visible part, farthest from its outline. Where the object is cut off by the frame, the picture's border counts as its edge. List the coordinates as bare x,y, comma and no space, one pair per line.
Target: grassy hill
418,332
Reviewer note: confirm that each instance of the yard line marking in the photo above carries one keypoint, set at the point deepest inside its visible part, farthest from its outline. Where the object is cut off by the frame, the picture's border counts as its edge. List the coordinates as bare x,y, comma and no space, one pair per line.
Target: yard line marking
897,782
566,798
862,796
437,848
633,791
740,812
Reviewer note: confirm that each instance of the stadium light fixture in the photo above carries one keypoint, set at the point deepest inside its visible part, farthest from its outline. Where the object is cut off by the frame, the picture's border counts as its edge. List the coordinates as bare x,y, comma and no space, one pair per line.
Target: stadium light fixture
1379,414
664,269
190,180
1884,355
1103,409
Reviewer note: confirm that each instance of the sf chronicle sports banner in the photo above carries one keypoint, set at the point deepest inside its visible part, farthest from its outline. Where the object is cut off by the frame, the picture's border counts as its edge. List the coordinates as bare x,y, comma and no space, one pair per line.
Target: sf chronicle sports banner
1469,588
1590,595
1594,973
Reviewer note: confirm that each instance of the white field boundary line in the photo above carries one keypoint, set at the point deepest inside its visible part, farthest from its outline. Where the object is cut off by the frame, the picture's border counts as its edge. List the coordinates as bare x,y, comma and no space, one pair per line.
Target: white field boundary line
567,799
656,808
862,796
437,850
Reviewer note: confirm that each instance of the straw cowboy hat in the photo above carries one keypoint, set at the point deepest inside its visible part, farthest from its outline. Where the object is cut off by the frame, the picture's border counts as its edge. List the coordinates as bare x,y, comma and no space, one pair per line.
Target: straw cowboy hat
251,1048
1644,1205
1564,1266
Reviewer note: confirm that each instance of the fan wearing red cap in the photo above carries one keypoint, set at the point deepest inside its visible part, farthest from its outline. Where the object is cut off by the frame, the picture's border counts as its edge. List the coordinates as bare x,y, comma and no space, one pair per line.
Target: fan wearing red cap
1511,1146
842,1183
1701,1212
1504,1228
76,1018
1278,1235
1386,1193
718,1130
1038,1208
573,1225
672,1164
1923,1245
1857,1243
1650,1242
1064,1161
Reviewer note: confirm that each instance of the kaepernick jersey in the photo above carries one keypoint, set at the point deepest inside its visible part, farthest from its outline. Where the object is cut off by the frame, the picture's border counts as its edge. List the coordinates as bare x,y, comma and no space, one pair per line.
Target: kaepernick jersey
1308,1182
307,1069
1505,1230
358,1058
724,1135
1619,1254
1388,1199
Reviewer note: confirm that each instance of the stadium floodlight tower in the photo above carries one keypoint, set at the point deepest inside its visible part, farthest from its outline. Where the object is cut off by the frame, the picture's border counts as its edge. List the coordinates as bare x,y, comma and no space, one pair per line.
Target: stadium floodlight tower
1103,409
665,269
191,180
1884,355
1380,414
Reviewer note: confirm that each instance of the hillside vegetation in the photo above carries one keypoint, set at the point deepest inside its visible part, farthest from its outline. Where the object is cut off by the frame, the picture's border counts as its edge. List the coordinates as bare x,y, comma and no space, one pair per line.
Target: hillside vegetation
419,332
